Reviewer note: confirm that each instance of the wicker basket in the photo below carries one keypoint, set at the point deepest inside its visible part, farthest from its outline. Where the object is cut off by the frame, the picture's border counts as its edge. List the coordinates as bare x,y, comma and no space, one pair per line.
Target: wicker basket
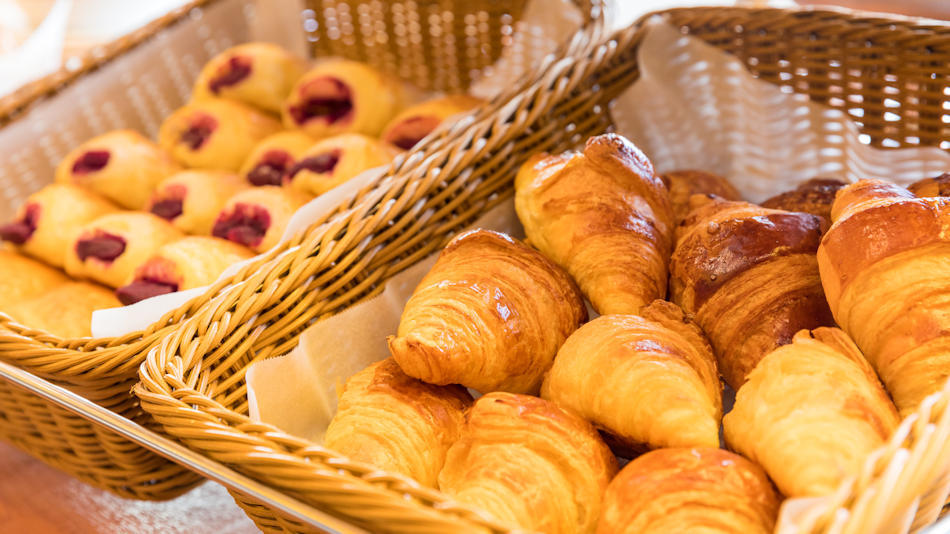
193,385
118,86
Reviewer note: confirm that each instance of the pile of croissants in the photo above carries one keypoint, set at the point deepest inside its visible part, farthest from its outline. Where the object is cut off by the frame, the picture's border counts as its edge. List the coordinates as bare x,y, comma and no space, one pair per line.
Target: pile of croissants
804,305
261,136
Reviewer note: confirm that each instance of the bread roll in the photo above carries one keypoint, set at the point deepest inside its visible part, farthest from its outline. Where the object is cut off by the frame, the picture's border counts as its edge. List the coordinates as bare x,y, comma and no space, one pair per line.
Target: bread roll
192,200
65,310
257,217
416,122
272,160
257,74
22,279
335,160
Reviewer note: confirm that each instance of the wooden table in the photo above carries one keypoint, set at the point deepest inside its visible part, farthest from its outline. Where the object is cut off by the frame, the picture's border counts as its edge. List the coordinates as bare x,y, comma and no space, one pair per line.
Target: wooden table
37,499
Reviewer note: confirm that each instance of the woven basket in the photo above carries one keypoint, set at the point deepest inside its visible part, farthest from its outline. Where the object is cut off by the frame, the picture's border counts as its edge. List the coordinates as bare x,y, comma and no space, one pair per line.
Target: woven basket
194,383
119,86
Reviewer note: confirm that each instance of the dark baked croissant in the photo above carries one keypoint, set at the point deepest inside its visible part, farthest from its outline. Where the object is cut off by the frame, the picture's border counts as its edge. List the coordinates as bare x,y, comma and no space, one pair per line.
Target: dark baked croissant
22,278
65,310
750,277
415,122
647,380
530,463
814,196
396,422
938,186
192,200
490,315
604,216
257,74
686,183
335,160
810,413
885,268
257,217
274,157
705,490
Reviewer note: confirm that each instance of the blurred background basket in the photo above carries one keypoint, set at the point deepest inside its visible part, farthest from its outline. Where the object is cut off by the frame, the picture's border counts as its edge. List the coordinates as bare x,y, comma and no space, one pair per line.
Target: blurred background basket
196,389
135,82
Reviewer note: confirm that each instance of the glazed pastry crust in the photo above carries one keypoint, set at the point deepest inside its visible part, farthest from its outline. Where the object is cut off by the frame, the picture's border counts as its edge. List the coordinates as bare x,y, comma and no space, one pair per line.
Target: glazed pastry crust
648,380
811,413
705,490
814,196
490,315
354,153
683,184
279,203
416,122
202,195
65,310
272,72
397,423
750,278
22,278
529,463
938,186
604,216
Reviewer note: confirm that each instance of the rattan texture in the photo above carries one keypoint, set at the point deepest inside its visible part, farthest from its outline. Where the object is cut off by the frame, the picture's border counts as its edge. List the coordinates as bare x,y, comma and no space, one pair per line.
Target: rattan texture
193,384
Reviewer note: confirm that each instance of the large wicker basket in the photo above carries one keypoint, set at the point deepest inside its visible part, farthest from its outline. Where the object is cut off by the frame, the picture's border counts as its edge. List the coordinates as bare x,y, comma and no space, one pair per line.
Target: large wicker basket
428,42
193,384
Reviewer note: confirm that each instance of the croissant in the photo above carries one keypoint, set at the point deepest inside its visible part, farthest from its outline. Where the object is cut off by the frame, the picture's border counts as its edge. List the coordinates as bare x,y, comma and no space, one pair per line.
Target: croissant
109,248
65,310
705,490
273,158
257,74
814,196
646,380
530,463
191,200
335,160
123,166
750,278
257,217
340,96
22,278
214,133
187,263
44,225
811,413
604,216
415,122
931,187
490,315
686,183
397,423
885,267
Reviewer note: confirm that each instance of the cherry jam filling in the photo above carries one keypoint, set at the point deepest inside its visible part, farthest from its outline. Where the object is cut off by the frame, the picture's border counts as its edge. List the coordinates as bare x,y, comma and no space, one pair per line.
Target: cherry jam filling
236,69
407,133
172,205
20,231
143,289
102,245
271,169
323,98
246,224
92,161
320,164
198,132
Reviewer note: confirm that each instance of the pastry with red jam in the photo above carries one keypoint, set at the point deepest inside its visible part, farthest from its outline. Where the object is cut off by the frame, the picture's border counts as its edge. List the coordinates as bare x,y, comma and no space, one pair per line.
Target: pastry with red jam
187,263
340,96
191,200
273,158
22,278
257,74
336,159
65,310
214,133
109,248
122,166
257,217
44,225
416,122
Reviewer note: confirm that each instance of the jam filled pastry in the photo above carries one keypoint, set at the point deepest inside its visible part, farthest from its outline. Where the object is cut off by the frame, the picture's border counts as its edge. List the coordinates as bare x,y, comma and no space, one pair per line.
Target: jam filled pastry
339,96
271,161
649,381
686,183
415,122
811,413
214,133
22,278
706,490
109,248
529,463
603,215
122,166
931,187
814,196
191,200
335,160
257,74
257,217
397,423
44,225
187,263
490,315
65,310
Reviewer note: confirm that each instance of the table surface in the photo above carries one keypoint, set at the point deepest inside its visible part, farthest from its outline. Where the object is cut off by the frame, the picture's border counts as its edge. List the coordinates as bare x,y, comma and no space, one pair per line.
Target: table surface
38,499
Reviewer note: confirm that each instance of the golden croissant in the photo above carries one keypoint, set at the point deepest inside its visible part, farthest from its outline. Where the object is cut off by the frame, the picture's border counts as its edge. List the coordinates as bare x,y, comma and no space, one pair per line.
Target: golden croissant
397,423
603,215
529,463
885,267
706,490
490,315
938,186
814,196
750,277
811,413
683,184
646,380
